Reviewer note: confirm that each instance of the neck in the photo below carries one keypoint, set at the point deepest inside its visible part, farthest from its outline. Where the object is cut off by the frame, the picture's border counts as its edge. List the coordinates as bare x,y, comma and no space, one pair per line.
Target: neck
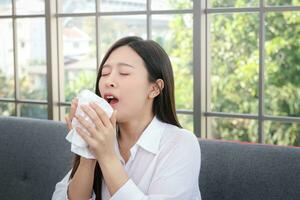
131,130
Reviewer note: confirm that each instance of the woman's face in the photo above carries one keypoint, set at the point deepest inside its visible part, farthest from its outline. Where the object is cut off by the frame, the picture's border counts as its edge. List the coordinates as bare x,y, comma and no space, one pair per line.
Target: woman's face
124,76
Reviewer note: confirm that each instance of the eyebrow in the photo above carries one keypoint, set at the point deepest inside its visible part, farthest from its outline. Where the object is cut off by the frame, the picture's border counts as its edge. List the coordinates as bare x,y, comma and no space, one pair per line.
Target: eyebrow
119,65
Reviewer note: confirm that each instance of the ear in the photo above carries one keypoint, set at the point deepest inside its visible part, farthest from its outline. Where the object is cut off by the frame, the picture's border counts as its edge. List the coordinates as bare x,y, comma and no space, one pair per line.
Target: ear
156,88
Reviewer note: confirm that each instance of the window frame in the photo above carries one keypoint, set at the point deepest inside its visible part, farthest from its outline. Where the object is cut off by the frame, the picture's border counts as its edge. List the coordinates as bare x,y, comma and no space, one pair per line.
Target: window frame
201,64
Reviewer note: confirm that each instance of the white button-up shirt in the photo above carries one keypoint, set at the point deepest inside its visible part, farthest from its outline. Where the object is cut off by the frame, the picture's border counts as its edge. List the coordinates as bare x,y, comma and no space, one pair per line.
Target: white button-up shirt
164,165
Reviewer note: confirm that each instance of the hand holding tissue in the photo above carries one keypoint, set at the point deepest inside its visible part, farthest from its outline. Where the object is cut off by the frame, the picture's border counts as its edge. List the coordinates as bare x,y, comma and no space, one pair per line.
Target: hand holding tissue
78,145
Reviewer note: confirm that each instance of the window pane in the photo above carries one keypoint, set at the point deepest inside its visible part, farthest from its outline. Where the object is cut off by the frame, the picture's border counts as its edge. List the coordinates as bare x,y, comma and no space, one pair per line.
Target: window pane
122,5
7,109
233,129
5,7
30,7
6,59
175,34
113,28
282,81
34,111
282,133
79,53
234,58
32,58
233,3
283,2
186,121
171,4
76,6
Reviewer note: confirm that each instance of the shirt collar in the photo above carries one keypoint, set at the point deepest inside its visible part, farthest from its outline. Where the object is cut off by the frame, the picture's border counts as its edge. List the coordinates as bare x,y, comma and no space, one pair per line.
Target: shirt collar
150,138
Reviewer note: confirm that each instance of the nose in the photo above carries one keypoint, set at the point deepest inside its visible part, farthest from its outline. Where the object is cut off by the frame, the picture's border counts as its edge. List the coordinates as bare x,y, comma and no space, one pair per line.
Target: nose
110,82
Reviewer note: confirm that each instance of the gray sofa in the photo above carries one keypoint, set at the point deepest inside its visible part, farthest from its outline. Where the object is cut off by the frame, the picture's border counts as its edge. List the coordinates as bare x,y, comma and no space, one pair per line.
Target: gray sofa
34,156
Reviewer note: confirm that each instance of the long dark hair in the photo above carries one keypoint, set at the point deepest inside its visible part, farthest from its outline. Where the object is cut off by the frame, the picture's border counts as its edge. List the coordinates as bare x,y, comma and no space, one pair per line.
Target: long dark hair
158,65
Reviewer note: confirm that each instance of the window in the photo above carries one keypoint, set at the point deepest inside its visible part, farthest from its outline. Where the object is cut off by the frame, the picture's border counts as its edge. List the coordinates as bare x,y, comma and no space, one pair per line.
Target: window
236,63
23,59
252,72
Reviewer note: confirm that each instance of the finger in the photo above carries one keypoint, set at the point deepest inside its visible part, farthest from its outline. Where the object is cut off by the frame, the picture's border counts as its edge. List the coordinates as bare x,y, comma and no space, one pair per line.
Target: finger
101,114
93,116
87,125
84,134
69,125
74,105
113,119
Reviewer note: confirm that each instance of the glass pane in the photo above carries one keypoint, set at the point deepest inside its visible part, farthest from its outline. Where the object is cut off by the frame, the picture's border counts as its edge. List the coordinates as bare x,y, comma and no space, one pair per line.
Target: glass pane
79,53
283,2
234,58
233,3
32,58
30,7
76,6
6,59
175,34
5,7
34,111
186,121
171,4
282,133
113,28
7,109
233,129
282,76
122,5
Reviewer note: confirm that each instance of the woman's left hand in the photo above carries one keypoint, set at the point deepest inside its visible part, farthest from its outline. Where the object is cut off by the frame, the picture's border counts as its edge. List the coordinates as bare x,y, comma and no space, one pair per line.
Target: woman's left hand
100,139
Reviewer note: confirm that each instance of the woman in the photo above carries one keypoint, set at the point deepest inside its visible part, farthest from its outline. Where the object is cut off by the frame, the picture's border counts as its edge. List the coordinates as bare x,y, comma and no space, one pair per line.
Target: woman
141,152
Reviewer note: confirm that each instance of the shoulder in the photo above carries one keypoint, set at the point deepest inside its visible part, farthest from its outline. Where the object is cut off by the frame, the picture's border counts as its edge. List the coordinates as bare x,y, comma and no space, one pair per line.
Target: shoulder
175,137
179,147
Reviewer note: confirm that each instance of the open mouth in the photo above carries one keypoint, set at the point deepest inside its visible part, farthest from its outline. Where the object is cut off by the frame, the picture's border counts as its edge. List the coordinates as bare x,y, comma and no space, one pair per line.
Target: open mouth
111,99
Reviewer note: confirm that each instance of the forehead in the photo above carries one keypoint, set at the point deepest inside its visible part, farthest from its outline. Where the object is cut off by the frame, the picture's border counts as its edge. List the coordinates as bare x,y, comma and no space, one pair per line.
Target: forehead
124,54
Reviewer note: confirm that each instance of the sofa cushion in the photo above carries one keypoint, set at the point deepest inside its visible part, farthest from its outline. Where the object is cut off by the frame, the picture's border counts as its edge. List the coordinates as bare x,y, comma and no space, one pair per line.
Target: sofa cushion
243,171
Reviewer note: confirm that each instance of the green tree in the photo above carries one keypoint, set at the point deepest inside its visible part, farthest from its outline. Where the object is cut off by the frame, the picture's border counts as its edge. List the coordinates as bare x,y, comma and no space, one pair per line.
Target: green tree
235,77
235,70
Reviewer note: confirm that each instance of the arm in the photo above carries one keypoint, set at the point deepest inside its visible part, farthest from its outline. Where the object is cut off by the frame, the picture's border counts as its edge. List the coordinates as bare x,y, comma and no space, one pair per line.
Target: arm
175,178
61,188
81,185
114,173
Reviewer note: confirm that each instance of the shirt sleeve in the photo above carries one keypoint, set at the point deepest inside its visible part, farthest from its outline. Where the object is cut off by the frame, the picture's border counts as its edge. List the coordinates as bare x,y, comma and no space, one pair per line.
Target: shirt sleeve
175,178
61,189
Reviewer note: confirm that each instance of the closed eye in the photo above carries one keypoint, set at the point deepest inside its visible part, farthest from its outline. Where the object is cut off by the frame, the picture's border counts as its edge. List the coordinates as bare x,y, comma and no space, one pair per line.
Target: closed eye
124,74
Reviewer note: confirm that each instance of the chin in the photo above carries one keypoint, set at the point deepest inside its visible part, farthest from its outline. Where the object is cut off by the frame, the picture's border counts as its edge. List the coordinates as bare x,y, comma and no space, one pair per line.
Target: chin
121,118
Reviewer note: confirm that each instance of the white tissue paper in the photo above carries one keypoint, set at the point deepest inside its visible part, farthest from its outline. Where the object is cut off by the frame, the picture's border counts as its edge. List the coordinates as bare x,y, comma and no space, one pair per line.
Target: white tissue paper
78,145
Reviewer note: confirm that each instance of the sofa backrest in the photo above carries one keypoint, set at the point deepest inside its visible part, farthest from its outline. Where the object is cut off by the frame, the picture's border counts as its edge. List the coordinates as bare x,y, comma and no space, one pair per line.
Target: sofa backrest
34,156
242,171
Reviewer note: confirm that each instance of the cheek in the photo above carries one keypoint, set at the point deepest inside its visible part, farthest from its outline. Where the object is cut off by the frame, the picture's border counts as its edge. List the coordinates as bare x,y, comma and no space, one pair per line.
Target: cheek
100,86
136,93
